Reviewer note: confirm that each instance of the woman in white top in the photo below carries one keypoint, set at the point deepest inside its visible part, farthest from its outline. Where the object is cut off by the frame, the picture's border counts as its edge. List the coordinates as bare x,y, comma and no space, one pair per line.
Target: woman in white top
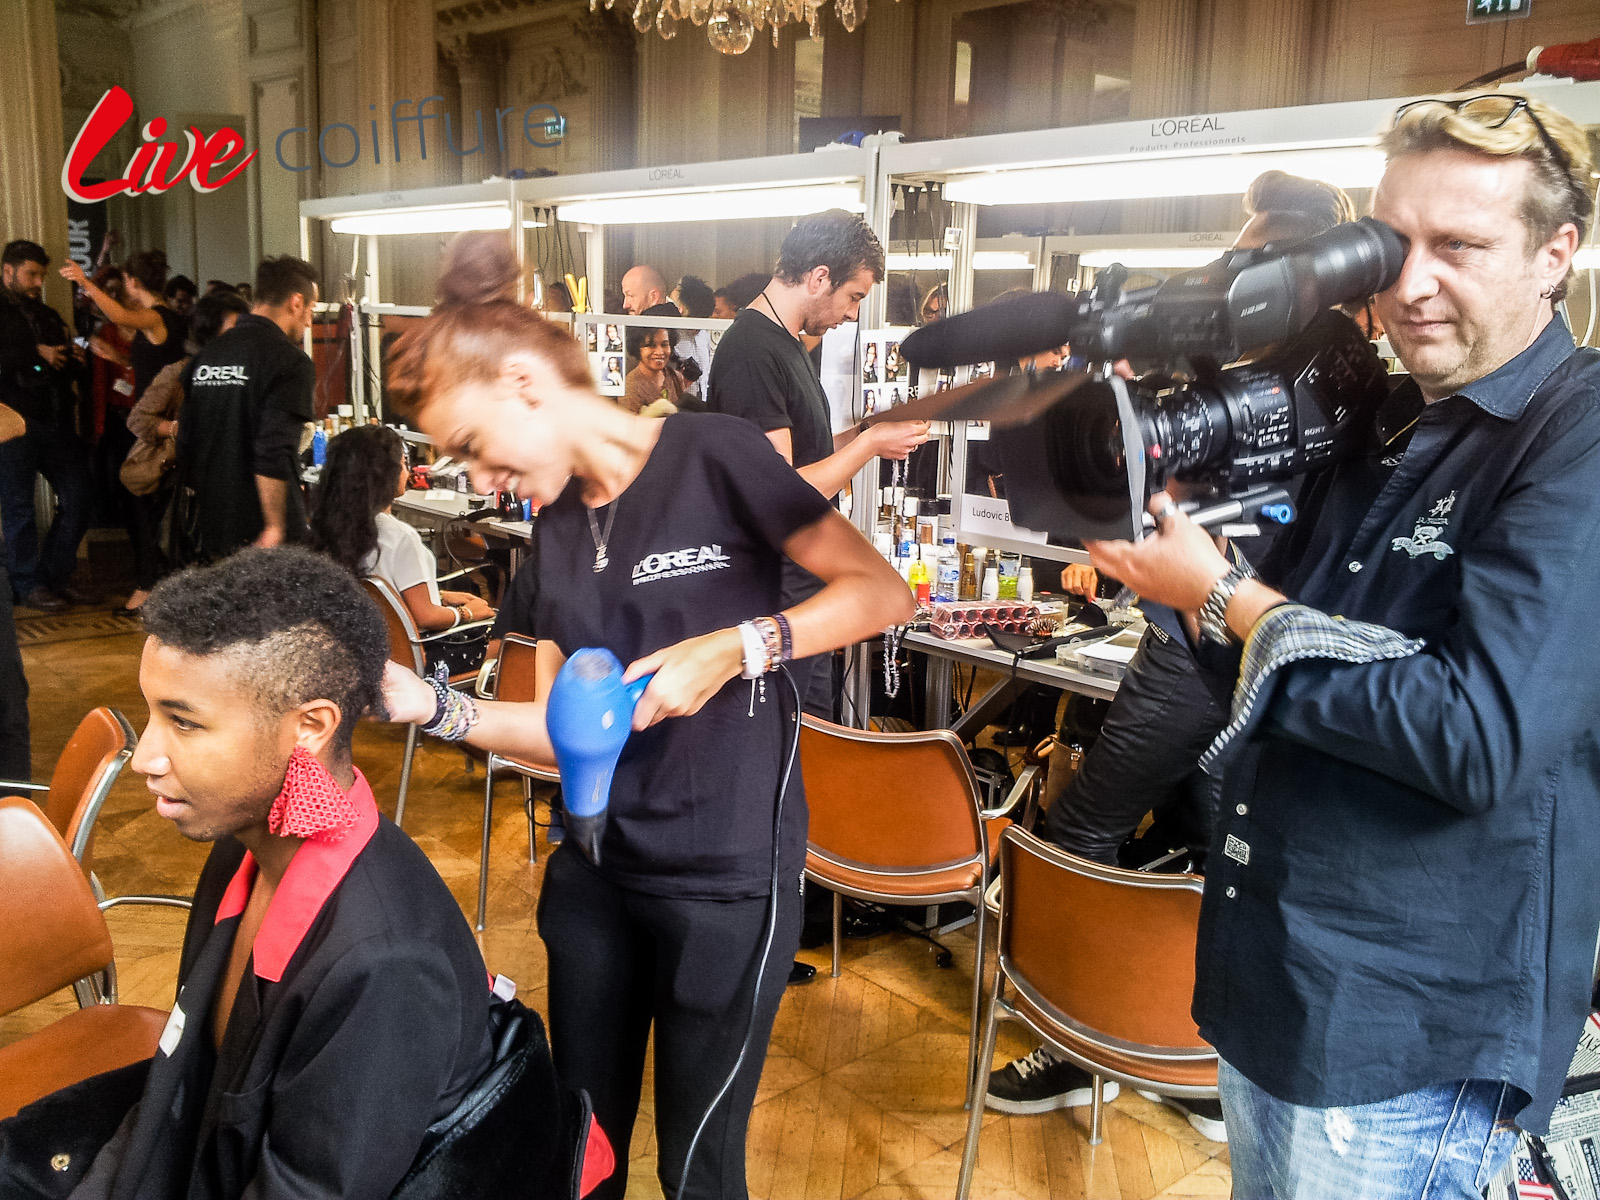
352,522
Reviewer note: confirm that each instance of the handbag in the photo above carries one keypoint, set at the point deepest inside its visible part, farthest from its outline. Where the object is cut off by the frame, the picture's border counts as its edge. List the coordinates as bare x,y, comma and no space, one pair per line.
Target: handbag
47,1148
518,1133
149,465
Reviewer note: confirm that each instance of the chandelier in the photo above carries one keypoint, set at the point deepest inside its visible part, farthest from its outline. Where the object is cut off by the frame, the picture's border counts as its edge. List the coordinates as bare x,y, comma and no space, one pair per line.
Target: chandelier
731,25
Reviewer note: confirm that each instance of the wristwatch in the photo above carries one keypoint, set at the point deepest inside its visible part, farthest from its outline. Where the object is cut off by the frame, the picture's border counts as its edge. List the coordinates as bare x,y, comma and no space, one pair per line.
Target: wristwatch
1214,612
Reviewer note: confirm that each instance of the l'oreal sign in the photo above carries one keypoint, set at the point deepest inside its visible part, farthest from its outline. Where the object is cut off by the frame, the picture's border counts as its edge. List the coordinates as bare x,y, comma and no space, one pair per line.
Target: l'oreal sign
208,163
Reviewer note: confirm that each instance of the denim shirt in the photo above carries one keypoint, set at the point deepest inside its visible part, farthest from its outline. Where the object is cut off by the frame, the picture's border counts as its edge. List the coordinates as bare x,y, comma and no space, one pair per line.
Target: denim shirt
1405,884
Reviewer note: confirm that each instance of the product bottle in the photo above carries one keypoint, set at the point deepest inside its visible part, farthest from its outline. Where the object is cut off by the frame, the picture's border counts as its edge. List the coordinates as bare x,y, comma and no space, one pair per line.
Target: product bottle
1025,584
967,587
319,446
918,579
991,584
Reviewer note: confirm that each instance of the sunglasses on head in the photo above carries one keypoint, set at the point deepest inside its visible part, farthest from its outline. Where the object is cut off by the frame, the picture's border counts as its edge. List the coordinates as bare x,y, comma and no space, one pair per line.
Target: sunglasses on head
1493,110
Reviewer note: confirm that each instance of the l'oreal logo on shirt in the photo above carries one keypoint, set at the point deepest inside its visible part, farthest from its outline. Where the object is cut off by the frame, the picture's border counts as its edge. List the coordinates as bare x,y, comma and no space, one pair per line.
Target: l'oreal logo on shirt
690,561
220,375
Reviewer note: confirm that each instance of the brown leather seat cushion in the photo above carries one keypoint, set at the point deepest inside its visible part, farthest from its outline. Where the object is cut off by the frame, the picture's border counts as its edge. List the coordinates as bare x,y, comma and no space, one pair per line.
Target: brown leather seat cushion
87,1042
1183,1072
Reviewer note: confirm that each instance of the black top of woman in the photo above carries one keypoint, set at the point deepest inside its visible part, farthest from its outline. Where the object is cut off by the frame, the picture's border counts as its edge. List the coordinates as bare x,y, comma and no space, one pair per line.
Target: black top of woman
696,545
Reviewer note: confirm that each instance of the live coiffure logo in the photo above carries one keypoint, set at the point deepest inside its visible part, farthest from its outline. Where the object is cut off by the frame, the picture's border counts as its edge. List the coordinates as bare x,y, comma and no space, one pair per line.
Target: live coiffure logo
211,162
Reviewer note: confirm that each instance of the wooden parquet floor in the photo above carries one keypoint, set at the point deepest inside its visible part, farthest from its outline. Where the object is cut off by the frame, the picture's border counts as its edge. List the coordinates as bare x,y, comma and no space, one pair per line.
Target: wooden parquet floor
861,1094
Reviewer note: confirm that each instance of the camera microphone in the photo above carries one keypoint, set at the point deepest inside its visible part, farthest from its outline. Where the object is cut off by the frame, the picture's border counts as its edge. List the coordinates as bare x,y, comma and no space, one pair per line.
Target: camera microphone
1011,328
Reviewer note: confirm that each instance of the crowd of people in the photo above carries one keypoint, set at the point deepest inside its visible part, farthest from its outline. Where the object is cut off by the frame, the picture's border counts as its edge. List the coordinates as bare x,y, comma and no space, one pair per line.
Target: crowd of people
1397,935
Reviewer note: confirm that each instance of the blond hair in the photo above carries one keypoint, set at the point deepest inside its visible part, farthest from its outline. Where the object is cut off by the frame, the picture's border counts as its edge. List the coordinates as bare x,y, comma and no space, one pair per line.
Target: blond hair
1556,194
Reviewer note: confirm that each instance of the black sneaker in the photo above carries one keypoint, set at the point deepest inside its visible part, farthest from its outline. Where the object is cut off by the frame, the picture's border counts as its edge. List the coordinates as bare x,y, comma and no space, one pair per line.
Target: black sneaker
1040,1083
1204,1115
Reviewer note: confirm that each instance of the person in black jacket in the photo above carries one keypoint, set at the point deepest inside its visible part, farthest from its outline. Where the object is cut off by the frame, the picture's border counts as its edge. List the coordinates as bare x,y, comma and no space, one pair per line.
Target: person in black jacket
332,1002
38,368
663,542
248,397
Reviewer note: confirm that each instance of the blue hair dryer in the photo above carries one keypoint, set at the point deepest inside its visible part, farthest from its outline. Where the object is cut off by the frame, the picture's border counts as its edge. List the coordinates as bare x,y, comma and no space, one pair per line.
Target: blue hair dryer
589,716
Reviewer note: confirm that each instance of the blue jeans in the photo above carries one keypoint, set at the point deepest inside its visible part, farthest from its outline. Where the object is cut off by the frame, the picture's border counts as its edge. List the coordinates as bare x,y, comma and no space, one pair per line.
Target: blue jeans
48,450
1440,1143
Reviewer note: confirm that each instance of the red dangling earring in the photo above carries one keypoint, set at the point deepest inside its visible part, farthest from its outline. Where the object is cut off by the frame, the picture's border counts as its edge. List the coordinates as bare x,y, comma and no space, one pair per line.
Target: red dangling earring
311,804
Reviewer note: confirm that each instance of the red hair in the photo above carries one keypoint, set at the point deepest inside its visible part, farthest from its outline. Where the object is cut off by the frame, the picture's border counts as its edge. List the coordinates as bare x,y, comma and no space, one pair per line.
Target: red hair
477,324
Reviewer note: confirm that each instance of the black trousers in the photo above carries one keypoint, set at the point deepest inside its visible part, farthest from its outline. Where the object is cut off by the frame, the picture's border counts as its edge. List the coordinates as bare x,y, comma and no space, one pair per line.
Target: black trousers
16,757
622,961
1167,711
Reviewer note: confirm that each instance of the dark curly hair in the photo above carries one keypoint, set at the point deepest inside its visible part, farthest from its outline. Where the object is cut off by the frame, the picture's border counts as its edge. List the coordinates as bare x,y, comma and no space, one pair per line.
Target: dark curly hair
836,239
696,296
358,479
210,311
298,626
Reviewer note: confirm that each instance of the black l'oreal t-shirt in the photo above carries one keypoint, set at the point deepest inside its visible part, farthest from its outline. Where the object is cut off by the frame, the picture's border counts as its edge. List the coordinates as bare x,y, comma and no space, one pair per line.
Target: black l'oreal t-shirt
696,546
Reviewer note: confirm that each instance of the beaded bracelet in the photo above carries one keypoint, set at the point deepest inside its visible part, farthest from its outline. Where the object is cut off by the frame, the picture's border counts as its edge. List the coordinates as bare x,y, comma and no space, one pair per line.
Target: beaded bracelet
456,712
771,640
786,637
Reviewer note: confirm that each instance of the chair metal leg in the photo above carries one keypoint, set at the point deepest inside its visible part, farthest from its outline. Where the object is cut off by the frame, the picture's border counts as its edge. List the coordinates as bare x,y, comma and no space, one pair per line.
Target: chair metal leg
969,1152
483,856
973,1071
527,806
838,929
1095,1110
405,774
103,985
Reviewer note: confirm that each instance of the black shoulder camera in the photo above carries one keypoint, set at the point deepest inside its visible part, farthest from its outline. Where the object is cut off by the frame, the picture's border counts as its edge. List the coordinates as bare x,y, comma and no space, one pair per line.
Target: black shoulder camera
1083,451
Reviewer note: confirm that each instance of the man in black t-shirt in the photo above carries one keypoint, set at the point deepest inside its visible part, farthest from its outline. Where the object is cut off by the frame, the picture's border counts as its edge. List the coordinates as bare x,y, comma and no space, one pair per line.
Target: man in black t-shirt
248,398
762,372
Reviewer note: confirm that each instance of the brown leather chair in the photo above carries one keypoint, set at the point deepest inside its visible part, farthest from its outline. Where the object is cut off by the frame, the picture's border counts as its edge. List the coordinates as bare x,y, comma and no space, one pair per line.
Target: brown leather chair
52,935
515,682
85,773
408,647
895,820
1065,971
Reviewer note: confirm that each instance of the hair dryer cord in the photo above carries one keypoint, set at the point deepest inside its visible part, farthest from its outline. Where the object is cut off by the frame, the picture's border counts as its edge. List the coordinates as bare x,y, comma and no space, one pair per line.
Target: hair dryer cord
766,943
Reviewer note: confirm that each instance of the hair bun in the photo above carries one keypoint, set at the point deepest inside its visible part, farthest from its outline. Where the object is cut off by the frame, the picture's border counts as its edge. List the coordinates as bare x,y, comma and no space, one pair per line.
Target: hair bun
479,268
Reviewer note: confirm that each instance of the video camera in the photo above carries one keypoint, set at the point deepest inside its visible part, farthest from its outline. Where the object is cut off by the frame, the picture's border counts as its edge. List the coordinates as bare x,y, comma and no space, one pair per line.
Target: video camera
1082,451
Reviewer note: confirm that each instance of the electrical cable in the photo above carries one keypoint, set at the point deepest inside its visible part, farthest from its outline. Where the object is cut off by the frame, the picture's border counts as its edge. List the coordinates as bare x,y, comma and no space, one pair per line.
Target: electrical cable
766,947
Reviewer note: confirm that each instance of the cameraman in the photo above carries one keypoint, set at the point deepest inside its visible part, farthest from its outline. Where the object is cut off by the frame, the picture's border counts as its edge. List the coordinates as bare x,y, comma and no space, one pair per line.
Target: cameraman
1166,712
1397,940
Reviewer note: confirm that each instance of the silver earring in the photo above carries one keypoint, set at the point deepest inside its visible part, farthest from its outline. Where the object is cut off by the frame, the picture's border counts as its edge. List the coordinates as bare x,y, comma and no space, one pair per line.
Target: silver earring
1548,292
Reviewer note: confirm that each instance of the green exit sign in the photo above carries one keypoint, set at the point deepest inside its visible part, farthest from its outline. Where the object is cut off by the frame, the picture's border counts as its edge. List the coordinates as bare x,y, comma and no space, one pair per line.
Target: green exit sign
1479,11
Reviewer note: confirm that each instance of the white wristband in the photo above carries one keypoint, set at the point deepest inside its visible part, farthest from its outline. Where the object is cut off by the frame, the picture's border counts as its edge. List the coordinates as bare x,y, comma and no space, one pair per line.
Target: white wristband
755,650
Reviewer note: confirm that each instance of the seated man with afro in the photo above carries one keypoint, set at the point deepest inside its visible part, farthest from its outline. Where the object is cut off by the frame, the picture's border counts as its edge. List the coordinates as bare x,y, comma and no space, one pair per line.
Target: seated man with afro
332,1004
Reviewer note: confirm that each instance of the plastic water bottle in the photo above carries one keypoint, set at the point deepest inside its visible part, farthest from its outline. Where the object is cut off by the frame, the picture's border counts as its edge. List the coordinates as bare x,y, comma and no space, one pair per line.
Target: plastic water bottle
319,446
947,585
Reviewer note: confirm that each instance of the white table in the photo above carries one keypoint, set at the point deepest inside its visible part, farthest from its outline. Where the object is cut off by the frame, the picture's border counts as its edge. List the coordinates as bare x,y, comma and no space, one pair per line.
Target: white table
981,652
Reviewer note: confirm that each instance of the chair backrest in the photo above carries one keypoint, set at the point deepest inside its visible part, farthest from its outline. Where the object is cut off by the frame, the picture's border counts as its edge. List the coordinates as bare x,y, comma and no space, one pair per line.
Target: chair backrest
405,643
1106,952
51,930
515,678
890,802
84,776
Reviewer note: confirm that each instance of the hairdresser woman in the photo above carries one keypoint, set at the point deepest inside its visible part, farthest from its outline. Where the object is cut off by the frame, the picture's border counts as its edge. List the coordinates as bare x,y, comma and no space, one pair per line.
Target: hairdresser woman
658,541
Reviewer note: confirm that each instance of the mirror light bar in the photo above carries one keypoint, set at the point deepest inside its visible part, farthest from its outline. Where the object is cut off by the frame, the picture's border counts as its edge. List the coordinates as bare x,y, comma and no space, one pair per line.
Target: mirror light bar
1137,179
1587,259
983,260
722,205
457,219
1176,257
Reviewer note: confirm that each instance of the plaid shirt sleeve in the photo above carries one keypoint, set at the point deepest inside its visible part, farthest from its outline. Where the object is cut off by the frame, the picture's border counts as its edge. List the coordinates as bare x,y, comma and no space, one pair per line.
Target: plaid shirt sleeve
1288,634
